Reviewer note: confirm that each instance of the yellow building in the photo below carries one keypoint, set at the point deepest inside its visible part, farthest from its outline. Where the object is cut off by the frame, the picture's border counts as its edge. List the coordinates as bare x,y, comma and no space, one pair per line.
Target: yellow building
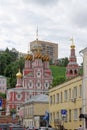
65,104
34,110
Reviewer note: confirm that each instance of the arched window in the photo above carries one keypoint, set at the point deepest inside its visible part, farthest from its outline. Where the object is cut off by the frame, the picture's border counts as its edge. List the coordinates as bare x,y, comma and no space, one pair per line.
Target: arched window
75,71
71,72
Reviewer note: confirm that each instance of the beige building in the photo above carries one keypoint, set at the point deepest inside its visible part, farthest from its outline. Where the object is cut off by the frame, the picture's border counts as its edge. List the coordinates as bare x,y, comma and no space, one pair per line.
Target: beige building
33,111
65,104
47,48
84,103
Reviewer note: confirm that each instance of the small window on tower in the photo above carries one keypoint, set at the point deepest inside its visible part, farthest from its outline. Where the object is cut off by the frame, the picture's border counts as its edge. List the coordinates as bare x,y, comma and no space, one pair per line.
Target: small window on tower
18,95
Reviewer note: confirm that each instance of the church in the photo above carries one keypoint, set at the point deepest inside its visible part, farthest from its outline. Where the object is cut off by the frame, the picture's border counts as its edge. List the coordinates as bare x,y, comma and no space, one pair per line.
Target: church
35,79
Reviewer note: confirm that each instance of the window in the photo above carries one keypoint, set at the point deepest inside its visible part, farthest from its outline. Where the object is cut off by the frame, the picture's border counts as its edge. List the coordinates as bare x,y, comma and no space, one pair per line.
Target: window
57,98
57,114
65,95
30,84
69,93
69,115
3,82
46,84
75,114
50,117
61,97
75,92
19,96
38,84
80,91
53,99
80,112
50,99
38,73
53,116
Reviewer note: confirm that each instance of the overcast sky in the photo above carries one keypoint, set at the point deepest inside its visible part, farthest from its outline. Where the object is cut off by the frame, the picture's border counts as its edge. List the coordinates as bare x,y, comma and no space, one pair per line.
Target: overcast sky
57,21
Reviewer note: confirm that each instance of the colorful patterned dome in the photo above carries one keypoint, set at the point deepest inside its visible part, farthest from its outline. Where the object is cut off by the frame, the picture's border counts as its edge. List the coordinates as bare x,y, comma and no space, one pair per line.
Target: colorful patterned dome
38,55
45,58
28,57
19,74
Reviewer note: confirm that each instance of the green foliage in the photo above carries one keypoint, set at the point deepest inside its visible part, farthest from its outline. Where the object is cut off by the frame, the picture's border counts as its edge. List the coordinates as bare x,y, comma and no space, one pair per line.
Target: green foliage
3,95
9,65
63,62
81,70
58,75
12,111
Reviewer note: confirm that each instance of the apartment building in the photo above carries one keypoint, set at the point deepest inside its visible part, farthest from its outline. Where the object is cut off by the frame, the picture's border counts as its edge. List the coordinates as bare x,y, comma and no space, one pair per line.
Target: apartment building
47,48
65,104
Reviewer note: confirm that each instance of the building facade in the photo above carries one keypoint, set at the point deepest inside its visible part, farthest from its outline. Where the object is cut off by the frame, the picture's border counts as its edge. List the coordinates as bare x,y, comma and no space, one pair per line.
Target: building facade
3,84
65,104
33,111
47,48
84,84
35,80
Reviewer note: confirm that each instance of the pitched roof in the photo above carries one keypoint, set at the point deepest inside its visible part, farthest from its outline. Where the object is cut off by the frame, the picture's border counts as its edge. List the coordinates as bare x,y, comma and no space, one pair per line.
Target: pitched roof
38,98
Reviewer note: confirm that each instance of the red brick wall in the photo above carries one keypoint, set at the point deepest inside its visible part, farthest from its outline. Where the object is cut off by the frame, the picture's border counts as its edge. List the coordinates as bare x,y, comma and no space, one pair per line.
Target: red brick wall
8,119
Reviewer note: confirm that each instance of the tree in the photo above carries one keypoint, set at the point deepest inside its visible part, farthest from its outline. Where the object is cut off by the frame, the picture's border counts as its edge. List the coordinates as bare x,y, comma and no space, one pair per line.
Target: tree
57,81
9,65
63,62
3,95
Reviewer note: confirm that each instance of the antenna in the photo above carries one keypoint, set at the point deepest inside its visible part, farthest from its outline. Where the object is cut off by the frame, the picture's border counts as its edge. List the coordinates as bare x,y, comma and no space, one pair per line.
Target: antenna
37,33
72,40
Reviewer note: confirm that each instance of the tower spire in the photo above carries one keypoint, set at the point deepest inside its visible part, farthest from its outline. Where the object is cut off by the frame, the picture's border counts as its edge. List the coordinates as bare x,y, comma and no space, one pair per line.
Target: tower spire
72,40
37,33
72,68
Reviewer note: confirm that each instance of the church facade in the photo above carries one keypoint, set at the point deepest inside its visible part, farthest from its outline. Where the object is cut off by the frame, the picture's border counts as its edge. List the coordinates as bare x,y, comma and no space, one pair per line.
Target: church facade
35,79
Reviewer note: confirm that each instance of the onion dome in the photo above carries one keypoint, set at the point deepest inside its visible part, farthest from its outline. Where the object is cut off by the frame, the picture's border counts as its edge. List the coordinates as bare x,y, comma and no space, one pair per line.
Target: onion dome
38,55
72,46
19,74
28,57
45,58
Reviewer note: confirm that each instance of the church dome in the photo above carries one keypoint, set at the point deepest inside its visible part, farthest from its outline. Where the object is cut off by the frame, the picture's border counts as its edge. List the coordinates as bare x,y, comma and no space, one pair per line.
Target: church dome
38,55
28,57
72,46
19,74
45,58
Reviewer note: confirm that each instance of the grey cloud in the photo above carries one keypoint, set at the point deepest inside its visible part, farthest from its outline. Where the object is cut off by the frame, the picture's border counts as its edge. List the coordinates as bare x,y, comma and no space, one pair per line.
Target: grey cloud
41,2
78,13
80,19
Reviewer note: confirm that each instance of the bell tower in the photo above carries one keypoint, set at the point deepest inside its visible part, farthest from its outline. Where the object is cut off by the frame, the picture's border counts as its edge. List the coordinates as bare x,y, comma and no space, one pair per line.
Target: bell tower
72,68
